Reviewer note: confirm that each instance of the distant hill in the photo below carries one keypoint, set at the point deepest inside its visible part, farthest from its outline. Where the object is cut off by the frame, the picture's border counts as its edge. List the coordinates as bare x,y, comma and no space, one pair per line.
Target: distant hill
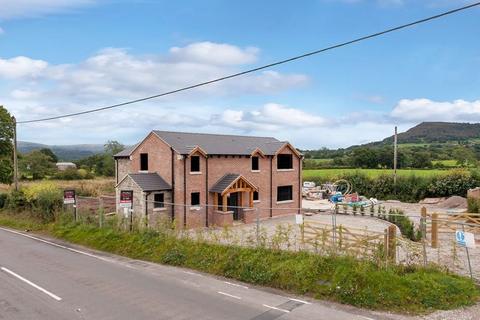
63,152
430,132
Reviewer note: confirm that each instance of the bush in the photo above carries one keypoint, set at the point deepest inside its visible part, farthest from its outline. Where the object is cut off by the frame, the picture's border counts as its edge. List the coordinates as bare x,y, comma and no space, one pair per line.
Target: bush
473,205
44,198
3,200
73,174
406,226
410,188
16,200
456,183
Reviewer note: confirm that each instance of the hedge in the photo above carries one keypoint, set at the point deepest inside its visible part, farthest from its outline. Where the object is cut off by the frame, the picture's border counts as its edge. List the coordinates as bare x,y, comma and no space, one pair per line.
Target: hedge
410,188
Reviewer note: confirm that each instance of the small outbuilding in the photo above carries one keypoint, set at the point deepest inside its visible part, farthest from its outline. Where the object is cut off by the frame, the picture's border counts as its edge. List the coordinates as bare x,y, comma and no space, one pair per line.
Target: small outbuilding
62,166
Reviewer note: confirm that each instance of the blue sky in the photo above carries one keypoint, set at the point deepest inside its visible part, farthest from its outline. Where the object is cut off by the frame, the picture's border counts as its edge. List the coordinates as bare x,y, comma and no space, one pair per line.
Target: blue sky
60,56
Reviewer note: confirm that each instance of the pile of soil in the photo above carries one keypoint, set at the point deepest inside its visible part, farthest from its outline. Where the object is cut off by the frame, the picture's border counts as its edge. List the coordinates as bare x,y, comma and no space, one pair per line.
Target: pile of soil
454,202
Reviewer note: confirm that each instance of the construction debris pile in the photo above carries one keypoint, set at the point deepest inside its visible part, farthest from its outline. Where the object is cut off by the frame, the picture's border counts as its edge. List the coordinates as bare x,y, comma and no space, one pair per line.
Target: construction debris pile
339,192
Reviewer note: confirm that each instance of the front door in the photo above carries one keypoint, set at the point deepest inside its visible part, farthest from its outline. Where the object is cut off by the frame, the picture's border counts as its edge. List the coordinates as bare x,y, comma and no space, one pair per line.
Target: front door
233,205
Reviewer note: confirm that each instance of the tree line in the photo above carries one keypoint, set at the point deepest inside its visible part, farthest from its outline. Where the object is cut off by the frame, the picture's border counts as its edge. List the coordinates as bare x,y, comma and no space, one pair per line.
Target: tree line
381,156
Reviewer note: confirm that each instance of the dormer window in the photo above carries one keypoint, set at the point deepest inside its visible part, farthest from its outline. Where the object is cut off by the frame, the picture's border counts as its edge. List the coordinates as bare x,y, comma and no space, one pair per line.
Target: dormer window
143,161
194,164
255,164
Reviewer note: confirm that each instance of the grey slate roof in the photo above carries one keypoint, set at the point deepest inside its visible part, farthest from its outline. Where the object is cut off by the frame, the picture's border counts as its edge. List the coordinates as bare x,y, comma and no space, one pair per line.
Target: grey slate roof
150,181
219,144
125,153
224,182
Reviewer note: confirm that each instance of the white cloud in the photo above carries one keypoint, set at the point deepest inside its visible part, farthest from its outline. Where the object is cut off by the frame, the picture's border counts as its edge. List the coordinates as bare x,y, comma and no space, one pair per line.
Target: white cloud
1,31
10,9
416,110
36,89
270,117
114,74
21,67
214,53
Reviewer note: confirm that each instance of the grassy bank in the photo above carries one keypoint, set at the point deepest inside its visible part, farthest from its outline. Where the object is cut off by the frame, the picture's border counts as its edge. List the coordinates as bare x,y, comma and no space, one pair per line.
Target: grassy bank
341,279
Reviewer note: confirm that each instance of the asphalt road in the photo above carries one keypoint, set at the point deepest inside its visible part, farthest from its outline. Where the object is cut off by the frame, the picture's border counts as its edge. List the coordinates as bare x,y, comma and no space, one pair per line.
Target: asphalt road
40,279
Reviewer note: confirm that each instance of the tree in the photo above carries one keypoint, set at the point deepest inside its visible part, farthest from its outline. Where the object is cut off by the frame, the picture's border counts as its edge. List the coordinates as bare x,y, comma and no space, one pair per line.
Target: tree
421,160
112,147
36,165
364,158
50,154
6,147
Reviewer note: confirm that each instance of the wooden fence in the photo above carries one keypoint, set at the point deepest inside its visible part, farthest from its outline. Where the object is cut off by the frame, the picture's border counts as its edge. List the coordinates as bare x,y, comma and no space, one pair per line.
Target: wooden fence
356,241
437,223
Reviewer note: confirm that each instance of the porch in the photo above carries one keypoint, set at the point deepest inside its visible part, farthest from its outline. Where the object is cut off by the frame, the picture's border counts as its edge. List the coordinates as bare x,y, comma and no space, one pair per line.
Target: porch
233,199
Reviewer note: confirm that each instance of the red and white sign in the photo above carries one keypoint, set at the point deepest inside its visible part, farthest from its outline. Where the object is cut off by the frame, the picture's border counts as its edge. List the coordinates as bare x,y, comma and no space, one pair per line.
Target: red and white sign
126,199
69,197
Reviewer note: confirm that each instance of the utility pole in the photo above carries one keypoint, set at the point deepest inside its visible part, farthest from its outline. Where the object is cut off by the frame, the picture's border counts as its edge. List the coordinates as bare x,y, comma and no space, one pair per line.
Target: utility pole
395,154
15,160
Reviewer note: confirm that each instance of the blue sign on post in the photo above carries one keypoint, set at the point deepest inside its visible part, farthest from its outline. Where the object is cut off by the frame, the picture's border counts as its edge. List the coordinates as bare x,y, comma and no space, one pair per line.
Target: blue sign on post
460,237
465,239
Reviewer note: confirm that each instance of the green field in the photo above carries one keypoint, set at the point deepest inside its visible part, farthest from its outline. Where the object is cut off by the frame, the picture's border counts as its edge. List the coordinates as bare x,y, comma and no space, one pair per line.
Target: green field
372,173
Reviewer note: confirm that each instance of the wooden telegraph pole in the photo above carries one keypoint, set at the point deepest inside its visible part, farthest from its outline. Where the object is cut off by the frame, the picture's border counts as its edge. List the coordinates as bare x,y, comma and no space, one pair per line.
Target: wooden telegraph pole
15,157
395,153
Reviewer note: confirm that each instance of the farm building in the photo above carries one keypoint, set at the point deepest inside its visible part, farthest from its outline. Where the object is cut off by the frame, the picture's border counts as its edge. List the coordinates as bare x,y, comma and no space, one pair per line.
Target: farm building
62,166
212,179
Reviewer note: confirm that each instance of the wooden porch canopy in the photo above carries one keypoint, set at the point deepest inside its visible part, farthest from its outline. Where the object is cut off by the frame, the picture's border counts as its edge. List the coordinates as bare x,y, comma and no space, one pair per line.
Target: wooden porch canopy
231,183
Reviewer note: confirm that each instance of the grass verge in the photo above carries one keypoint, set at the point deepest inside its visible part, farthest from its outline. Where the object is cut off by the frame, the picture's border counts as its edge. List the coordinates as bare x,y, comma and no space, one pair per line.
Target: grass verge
342,279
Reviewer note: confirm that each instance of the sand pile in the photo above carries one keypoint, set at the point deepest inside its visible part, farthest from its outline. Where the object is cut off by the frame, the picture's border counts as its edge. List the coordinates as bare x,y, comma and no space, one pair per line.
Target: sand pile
454,202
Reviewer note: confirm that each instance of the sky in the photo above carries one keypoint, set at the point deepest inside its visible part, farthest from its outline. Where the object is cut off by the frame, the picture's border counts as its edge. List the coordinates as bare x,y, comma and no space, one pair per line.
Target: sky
63,56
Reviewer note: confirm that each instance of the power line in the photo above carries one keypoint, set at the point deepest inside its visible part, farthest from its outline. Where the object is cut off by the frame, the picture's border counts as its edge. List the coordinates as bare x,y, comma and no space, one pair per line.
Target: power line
234,75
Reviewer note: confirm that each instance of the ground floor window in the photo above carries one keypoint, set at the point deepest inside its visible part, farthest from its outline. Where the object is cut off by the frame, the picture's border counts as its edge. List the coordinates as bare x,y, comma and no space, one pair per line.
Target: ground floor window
255,196
159,199
195,198
284,193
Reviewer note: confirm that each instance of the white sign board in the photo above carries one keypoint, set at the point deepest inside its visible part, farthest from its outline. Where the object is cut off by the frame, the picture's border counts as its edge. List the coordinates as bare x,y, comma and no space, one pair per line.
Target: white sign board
465,239
299,218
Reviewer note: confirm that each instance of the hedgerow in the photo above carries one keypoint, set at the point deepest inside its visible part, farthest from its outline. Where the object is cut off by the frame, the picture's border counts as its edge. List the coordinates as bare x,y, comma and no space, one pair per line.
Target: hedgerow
410,188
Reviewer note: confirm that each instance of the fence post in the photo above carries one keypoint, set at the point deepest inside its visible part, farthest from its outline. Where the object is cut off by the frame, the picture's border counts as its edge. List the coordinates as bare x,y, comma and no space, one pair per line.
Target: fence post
423,226
434,230
392,243
101,213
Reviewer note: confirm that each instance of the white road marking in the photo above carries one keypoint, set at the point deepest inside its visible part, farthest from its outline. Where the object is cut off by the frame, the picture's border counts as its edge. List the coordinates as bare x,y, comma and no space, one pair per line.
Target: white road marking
32,284
367,318
192,273
298,300
236,285
58,245
275,308
229,295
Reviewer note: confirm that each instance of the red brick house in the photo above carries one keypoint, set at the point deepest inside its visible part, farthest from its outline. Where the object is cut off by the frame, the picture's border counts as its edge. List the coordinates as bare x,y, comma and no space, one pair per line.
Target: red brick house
212,179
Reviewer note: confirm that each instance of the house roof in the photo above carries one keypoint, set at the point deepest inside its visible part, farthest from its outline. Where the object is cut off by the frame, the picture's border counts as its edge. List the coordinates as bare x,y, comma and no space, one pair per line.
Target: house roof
226,181
125,153
150,181
184,143
214,144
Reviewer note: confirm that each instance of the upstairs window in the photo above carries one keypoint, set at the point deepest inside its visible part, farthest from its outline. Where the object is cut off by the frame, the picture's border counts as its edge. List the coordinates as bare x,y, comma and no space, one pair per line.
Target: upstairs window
284,193
195,198
285,161
143,161
255,164
195,164
159,200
